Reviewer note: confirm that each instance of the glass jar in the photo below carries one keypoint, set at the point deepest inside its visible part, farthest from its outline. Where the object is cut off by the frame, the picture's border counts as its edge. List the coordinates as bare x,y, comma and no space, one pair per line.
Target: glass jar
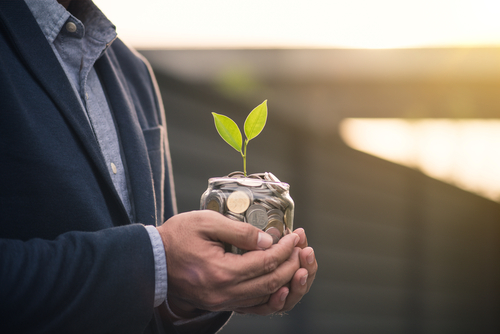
261,200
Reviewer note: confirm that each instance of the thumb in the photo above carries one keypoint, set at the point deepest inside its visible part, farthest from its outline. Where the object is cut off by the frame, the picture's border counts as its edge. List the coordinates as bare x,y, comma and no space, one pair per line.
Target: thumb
239,234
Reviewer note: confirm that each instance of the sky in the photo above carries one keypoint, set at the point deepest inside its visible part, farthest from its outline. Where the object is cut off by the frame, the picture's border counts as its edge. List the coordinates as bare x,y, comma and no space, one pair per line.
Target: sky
309,24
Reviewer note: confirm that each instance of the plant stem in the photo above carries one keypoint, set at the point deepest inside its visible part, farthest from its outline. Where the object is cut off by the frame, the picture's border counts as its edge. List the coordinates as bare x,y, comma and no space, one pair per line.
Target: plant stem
244,155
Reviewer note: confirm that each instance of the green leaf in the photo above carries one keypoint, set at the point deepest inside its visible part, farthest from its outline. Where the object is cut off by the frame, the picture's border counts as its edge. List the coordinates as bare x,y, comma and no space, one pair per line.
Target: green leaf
228,130
256,121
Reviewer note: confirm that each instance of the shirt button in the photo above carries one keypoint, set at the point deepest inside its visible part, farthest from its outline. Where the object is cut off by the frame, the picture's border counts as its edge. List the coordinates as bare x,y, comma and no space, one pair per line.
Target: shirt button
87,96
71,26
113,167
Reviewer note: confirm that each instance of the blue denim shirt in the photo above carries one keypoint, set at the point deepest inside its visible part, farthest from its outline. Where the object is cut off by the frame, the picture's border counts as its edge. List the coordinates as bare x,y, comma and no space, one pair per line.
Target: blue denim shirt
77,44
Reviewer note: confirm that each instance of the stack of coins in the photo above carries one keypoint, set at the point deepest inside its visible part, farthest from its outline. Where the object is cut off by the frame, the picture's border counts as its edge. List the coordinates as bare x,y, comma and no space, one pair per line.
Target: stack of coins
261,200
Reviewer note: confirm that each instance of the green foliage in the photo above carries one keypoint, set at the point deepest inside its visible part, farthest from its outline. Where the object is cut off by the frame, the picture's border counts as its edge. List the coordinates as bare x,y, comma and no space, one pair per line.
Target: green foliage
229,131
256,121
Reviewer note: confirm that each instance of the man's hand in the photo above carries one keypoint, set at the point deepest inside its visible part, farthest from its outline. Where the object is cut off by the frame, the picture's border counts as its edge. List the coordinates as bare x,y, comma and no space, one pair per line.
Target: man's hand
297,288
202,276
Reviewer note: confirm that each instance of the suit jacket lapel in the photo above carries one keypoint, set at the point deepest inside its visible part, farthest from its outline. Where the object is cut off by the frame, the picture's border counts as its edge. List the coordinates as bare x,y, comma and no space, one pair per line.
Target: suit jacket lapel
41,60
135,152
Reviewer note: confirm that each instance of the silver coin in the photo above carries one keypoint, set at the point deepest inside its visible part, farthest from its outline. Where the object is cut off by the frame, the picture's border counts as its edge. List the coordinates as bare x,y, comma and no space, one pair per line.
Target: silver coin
278,188
278,214
235,216
275,203
227,190
249,182
275,183
264,204
256,216
271,177
262,191
259,176
236,174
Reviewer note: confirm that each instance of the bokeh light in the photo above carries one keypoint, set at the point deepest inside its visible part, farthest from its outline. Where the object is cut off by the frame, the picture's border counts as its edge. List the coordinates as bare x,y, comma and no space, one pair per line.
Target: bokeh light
465,153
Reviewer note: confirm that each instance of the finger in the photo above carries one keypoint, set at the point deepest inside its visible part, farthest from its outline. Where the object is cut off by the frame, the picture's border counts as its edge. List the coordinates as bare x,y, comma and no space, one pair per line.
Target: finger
257,292
275,303
303,278
265,285
255,264
308,261
298,288
303,238
241,235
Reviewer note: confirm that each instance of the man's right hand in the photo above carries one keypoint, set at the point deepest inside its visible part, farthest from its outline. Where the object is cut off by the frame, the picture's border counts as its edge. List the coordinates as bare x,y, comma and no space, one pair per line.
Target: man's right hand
202,276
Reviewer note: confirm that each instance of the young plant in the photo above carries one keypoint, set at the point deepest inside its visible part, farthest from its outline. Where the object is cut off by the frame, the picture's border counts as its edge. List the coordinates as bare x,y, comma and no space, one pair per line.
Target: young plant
230,132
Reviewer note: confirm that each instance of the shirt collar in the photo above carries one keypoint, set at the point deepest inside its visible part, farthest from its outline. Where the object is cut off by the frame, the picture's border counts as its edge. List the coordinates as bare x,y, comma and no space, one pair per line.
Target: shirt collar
51,17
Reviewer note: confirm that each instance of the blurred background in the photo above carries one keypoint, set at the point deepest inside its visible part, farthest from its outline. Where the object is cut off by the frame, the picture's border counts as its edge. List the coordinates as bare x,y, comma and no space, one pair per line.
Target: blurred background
384,118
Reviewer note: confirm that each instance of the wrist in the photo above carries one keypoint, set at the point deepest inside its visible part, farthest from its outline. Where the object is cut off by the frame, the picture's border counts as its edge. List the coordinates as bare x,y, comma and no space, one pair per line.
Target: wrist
182,310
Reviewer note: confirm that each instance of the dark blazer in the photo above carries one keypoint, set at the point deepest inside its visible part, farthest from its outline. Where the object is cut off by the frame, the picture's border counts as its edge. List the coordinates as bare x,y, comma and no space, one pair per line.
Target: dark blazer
71,260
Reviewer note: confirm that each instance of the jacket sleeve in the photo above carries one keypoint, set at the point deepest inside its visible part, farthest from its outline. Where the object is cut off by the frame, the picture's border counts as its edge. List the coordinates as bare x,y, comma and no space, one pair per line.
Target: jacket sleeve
211,322
81,282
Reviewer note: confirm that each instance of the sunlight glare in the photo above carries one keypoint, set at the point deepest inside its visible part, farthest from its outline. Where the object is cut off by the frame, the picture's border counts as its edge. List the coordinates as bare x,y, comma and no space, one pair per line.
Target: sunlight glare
311,24
465,153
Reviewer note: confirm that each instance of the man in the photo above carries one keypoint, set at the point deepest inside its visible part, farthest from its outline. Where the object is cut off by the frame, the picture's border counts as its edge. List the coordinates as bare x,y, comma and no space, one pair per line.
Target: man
85,186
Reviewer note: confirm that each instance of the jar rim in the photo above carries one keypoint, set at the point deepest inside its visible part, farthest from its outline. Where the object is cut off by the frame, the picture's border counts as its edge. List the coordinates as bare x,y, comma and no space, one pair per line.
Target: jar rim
247,181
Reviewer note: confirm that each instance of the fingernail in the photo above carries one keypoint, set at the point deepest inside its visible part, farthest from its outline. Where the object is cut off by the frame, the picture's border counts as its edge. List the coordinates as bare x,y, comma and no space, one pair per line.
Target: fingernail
284,295
264,240
310,257
297,238
303,279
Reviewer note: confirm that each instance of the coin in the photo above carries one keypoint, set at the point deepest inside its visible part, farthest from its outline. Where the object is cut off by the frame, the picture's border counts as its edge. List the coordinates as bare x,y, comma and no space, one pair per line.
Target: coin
275,183
271,177
238,201
265,204
248,182
215,201
288,218
236,174
275,233
235,216
275,223
275,213
256,216
275,203
220,181
213,205
262,192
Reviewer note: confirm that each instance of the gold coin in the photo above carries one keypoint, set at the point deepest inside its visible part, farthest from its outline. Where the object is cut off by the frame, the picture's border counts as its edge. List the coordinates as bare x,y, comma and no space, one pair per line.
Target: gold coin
288,219
238,202
275,223
273,232
213,205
